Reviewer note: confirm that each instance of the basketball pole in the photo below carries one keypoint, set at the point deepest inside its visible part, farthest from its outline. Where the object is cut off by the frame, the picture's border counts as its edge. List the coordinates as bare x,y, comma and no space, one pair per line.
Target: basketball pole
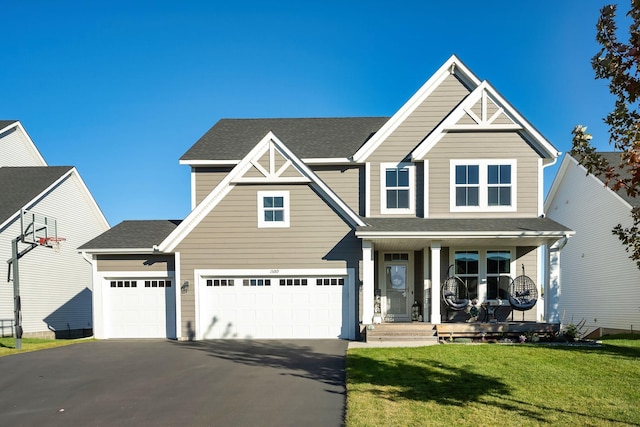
17,302
17,306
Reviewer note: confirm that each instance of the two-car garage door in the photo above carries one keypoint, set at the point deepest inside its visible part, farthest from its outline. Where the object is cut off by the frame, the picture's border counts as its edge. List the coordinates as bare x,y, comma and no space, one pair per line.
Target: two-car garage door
273,306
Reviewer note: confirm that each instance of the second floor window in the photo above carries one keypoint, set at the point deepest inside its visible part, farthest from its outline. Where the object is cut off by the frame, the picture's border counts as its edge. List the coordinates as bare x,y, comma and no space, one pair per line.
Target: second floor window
479,185
273,209
397,189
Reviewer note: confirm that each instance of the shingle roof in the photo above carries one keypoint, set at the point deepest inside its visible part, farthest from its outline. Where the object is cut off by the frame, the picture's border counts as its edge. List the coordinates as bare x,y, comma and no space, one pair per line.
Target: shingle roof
5,123
20,185
320,138
444,225
137,234
614,160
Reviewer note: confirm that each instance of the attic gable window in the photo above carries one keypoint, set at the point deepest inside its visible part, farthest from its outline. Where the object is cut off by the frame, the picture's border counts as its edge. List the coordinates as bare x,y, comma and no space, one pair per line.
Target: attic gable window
397,188
273,209
483,185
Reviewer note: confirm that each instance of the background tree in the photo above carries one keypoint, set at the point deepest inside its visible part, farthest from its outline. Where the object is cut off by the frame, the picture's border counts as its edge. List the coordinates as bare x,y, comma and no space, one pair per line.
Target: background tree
619,63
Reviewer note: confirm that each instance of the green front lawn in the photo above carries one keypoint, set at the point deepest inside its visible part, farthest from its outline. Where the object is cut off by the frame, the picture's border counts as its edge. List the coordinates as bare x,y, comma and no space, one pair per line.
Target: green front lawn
8,345
493,384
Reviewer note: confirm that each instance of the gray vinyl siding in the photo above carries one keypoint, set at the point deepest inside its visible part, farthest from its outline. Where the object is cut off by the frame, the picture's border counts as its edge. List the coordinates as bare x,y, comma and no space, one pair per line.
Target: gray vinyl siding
598,281
344,181
137,263
56,287
229,238
206,179
16,150
399,145
485,145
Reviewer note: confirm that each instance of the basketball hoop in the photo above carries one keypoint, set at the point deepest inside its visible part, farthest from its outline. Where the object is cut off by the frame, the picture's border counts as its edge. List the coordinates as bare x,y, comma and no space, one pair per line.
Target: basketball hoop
52,242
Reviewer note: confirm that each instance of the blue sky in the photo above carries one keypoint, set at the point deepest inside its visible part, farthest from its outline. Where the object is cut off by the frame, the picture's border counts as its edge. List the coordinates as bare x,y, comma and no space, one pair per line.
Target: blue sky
121,89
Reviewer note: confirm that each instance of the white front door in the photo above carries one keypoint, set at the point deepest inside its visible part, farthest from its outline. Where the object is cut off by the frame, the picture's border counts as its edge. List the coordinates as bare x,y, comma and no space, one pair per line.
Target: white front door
397,292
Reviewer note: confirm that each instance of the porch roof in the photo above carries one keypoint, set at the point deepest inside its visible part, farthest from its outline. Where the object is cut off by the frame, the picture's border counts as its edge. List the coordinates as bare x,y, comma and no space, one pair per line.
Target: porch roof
417,233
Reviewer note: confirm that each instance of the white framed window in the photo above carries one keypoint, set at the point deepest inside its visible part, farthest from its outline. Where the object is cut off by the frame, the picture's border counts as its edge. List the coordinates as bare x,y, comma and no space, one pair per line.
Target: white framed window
273,209
483,185
397,188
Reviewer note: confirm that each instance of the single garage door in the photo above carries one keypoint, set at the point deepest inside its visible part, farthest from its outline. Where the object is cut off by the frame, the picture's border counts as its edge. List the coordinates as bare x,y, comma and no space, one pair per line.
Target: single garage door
140,308
273,307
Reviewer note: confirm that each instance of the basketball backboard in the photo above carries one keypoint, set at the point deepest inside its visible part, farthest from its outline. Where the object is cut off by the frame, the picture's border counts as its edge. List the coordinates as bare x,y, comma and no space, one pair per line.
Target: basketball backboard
37,228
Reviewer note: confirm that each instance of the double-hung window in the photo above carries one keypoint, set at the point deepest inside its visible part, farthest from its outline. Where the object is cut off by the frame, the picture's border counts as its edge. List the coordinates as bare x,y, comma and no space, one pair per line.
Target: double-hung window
273,209
397,188
483,185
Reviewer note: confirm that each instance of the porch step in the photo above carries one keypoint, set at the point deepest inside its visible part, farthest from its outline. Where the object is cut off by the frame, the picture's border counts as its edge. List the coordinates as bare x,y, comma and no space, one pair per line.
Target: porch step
494,330
415,333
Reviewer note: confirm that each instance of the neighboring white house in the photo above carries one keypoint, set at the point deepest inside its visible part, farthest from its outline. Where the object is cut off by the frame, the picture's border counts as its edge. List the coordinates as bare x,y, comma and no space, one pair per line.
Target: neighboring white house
597,283
55,287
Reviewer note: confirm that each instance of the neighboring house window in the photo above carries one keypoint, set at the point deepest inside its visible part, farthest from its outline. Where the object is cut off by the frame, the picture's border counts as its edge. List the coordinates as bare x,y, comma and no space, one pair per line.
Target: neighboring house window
273,209
466,267
498,274
483,185
397,188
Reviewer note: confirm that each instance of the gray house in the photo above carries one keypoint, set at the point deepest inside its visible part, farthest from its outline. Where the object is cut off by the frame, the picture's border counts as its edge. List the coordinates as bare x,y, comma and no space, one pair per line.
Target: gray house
315,228
55,287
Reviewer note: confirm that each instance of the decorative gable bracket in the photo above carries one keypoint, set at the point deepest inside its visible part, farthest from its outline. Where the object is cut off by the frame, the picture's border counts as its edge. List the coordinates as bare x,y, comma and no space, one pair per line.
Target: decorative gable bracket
484,113
271,165
485,109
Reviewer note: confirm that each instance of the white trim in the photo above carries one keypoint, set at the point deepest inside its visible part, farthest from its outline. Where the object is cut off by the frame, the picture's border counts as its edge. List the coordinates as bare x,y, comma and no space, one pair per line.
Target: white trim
412,189
452,66
328,161
368,282
32,145
367,189
209,162
270,272
227,184
560,176
178,297
136,274
262,223
72,171
442,235
436,314
483,185
309,161
425,189
193,189
520,124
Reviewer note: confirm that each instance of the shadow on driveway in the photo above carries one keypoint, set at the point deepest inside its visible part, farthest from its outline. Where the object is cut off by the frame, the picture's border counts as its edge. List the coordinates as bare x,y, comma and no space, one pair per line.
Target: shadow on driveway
169,383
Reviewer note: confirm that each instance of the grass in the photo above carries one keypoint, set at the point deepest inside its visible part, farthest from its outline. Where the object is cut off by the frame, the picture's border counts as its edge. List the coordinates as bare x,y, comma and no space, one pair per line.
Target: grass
491,384
8,345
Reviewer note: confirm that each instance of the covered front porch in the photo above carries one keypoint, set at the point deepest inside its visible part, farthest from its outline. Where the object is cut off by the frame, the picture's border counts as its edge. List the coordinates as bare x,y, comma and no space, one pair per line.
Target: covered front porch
406,261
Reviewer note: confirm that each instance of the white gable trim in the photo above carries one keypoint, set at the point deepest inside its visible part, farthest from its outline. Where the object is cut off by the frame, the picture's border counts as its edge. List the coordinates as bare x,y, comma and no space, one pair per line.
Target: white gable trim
270,141
48,190
568,162
32,146
480,93
452,66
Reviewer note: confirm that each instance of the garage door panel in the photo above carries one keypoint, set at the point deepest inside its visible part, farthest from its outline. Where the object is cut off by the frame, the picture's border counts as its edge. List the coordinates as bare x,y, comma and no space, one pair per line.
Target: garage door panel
133,310
305,310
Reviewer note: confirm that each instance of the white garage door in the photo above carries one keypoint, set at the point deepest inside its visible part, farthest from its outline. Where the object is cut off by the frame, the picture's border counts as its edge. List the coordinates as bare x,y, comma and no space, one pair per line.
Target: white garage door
140,308
274,307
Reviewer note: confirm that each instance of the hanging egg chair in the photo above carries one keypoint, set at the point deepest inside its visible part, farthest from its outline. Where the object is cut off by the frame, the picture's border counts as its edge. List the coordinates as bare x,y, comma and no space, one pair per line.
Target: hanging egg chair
523,292
454,292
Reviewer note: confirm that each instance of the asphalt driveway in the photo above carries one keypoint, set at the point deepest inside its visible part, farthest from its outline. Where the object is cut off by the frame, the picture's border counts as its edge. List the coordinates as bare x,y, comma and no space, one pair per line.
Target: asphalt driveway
168,383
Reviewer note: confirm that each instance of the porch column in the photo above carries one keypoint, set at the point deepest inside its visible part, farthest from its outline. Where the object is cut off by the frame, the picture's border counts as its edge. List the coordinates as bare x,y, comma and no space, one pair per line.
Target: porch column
367,282
426,286
435,283
552,286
